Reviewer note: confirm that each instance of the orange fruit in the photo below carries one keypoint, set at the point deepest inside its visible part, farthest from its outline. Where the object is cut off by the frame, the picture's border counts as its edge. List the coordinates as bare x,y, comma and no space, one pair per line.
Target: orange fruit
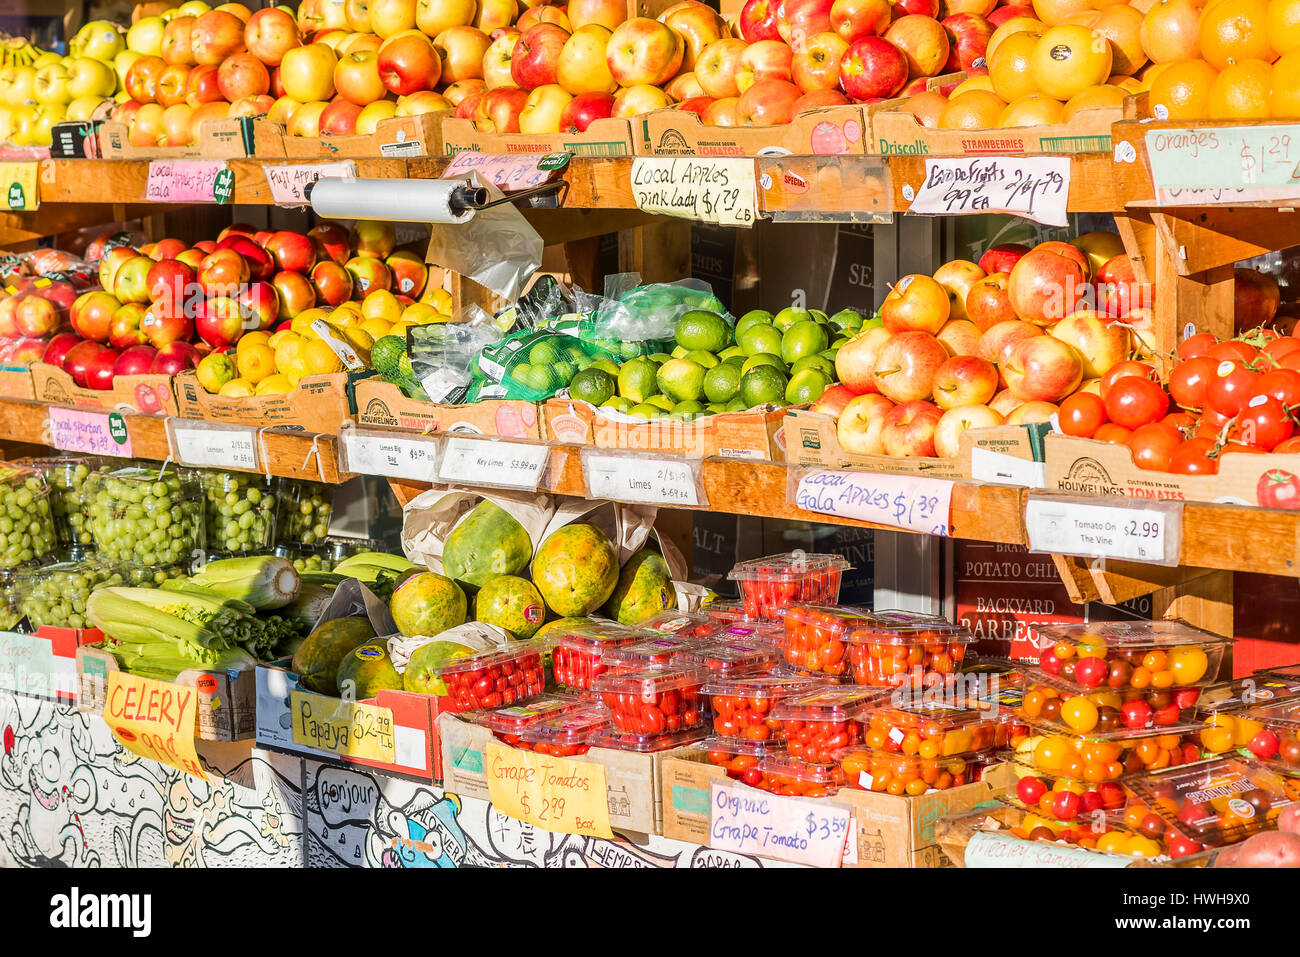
927,107
1233,31
1069,59
1171,30
1284,103
1122,26
1183,90
1032,110
1129,84
981,82
1283,23
1093,98
1009,68
976,110
1153,70
1011,28
1053,12
1241,91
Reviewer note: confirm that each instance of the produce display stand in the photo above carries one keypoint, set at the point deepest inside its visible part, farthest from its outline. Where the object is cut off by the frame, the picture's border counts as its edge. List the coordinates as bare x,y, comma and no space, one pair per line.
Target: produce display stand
1187,252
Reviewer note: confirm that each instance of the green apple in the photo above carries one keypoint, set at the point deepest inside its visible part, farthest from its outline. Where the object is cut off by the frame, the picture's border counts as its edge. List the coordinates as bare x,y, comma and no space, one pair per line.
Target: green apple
145,36
22,131
90,77
192,8
6,122
84,107
46,116
19,85
45,59
99,39
51,84
122,62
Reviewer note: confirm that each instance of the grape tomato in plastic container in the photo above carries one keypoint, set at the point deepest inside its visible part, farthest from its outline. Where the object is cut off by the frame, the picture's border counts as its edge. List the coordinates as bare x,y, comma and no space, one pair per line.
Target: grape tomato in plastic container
909,775
1132,654
576,658
645,743
660,699
1214,802
508,721
568,733
494,678
933,730
818,725
732,657
768,585
742,704
685,624
659,650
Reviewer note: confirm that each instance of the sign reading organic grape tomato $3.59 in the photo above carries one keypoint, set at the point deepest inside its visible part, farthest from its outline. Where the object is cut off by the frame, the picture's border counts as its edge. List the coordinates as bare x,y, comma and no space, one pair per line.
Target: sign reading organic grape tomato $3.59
1035,187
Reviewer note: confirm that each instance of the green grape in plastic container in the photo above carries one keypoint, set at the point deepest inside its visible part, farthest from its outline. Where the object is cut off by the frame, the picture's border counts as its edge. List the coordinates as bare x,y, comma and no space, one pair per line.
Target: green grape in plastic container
26,525
304,515
147,516
67,478
56,595
240,512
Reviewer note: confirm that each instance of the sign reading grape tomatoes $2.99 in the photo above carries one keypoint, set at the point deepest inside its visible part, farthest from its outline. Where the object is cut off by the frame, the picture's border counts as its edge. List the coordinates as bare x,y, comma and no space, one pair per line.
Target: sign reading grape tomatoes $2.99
554,794
899,501
709,189
1035,187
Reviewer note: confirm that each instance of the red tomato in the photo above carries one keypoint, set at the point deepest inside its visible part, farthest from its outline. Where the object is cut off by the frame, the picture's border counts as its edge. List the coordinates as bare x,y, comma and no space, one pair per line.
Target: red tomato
1182,422
1230,387
1278,488
1192,458
1133,402
1281,384
1241,448
1291,361
1197,345
1112,433
1281,346
1234,349
1153,445
1264,423
1211,423
1121,370
1289,447
1188,381
1082,414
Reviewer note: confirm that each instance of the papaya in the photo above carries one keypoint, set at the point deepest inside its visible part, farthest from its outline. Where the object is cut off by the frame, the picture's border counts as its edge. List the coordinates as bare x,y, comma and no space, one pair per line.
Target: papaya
644,588
576,569
428,604
512,603
317,660
369,669
486,543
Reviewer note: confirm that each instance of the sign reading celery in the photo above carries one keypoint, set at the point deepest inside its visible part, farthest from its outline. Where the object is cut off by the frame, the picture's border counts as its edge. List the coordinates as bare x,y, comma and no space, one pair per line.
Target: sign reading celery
710,189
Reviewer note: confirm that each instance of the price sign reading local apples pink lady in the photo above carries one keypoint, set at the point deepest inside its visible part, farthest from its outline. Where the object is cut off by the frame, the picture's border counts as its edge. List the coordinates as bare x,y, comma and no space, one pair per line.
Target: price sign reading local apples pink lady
185,181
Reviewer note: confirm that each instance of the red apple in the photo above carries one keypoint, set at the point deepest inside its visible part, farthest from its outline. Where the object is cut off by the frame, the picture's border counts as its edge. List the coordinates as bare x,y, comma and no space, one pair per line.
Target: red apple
368,275
856,359
873,68
242,75
166,249
169,278
291,251
721,112
1118,290
916,303
716,69
131,281
961,337
174,358
163,323
260,263
1043,369
217,35
923,41
1002,257
998,341
644,51
906,364
270,34
92,315
1032,413
332,282
371,237
798,21
339,118
968,38
965,380
57,348
201,85
758,21
852,19
220,322
920,8
767,103
819,100
141,81
536,56
99,369
583,109
947,434
333,242
260,305
861,424
833,400
178,41
909,430
409,273
409,63
817,65
987,301
1100,342
498,110
764,60
698,26
124,328
137,360
222,271
294,293
77,361
172,85
1047,284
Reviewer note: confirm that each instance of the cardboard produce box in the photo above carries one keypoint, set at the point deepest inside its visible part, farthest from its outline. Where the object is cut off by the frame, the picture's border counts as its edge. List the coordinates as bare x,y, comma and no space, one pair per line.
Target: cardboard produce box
226,698
605,137
394,137
1007,453
753,434
633,782
382,405
891,831
217,139
146,394
1088,467
396,731
832,130
16,382
319,404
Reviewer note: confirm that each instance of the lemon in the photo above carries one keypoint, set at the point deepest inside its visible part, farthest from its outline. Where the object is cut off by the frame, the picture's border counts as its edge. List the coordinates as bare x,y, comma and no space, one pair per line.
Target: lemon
418,313
236,389
277,384
376,328
380,304
316,358
257,337
215,370
255,363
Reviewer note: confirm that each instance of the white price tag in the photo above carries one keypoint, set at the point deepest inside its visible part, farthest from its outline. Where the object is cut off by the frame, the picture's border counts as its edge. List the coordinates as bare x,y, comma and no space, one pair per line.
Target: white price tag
391,455
289,183
215,445
800,830
485,462
708,189
347,355
1142,532
645,479
1035,187
900,501
987,466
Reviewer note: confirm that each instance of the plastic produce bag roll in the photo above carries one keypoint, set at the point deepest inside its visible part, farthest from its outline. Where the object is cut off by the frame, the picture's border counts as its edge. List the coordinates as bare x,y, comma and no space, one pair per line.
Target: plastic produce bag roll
497,248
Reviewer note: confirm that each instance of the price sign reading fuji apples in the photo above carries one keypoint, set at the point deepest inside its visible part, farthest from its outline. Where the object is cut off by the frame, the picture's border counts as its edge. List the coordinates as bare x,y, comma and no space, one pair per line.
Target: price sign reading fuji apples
289,183
1035,187
1142,532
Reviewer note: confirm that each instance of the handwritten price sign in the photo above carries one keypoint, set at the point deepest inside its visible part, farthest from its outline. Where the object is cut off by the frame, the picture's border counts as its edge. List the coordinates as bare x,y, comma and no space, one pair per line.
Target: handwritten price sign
1227,164
900,501
712,190
289,183
411,457
554,794
96,433
505,172
1142,532
643,479
343,727
1035,187
154,719
799,830
186,181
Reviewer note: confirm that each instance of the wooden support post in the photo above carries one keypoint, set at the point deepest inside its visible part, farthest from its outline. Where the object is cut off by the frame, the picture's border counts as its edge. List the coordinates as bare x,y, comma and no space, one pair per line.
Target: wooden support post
1114,582
660,252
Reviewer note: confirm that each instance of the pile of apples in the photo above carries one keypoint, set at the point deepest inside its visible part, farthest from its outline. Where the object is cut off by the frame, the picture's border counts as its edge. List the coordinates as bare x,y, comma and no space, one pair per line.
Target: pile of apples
162,307
1002,341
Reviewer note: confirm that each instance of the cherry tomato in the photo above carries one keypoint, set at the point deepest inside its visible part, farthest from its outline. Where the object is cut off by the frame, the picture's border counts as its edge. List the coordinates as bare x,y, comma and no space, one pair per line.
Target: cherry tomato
1264,423
1133,402
1230,388
1122,370
1030,791
1264,745
1197,345
1112,433
1082,414
1153,446
1188,381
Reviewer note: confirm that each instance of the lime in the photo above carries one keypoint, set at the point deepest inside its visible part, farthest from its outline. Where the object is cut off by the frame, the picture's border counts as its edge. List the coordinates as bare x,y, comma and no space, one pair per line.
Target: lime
688,406
804,338
680,352
607,365
829,354
763,359
645,411
659,358
819,362
819,316
593,385
762,386
544,352
681,380
761,338
787,317
847,319
535,377
617,403
730,351
738,361
873,322
737,405
660,402
706,359
698,329
722,382
755,317
627,350
636,380
564,371
806,387
716,407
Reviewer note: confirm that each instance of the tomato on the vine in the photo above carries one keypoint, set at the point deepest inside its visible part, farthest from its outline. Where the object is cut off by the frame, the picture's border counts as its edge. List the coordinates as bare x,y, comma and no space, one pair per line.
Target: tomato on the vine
1281,347
1231,386
1197,345
1112,433
1153,445
1121,370
1192,458
1188,381
1243,352
1264,423
1289,447
1134,402
1181,422
1082,414
1281,384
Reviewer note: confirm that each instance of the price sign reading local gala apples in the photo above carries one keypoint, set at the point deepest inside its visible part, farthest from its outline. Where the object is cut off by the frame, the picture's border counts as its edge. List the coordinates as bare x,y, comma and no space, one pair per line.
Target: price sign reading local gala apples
644,479
413,457
214,445
899,501
1035,187
486,462
183,181
1142,532
712,190
289,183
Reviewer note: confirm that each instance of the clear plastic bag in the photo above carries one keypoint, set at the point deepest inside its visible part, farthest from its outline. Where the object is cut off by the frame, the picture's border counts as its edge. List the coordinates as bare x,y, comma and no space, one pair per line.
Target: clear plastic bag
444,355
651,312
533,365
546,301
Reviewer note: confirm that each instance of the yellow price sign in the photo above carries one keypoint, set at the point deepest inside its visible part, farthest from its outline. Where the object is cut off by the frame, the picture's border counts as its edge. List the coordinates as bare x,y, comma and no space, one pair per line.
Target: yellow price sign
343,727
20,190
554,794
154,719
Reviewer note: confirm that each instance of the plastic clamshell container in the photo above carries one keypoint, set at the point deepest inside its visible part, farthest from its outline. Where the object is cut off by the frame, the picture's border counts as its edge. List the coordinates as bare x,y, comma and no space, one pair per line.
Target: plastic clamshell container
817,725
659,650
66,477
645,743
56,595
729,611
1048,697
1215,802
148,516
567,733
685,624
732,657
28,526
742,704
933,730
900,774
513,718
1138,654
660,699
1109,797
240,511
738,758
786,774
494,678
768,585
765,632
1270,734
576,657
1112,755
1262,688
